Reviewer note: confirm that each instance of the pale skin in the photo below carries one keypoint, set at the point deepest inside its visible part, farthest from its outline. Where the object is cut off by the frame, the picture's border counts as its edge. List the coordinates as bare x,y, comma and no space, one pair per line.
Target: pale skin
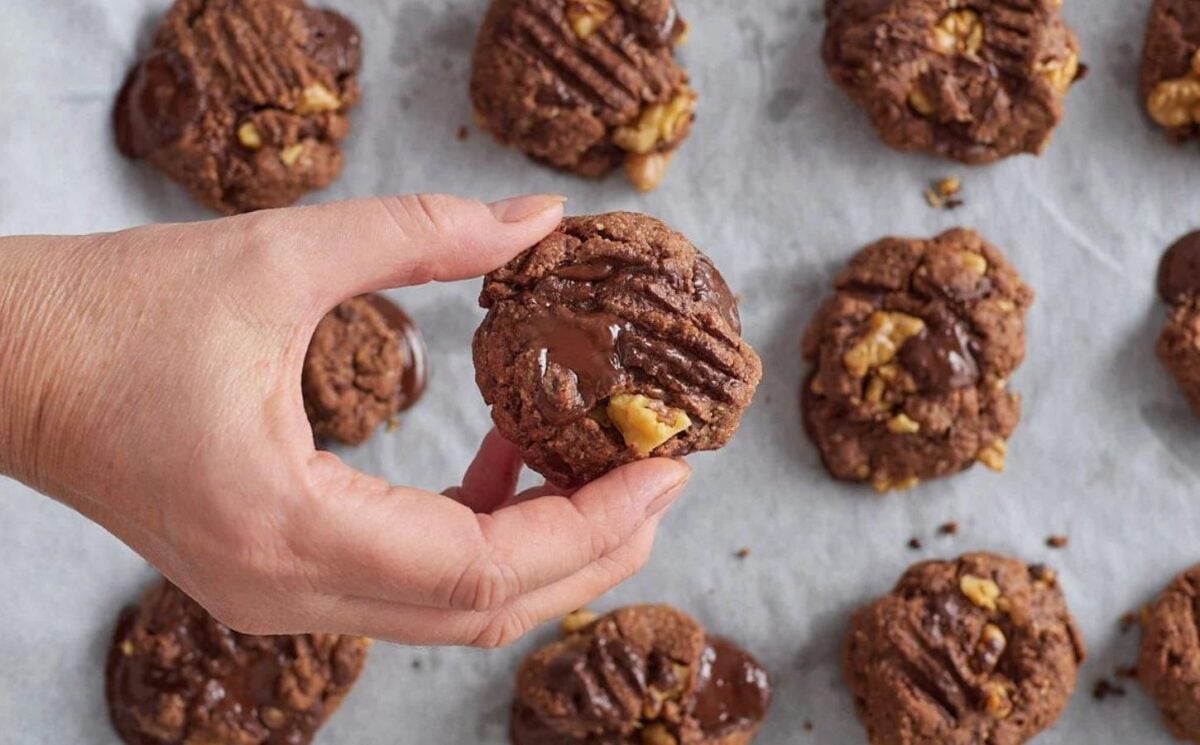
150,379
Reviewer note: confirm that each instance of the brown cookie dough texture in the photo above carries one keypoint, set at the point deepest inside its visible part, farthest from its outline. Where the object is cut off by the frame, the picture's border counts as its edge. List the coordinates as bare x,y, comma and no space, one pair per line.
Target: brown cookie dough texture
642,675
974,81
177,676
977,650
911,359
1179,287
365,363
613,339
585,85
1170,75
1169,664
243,102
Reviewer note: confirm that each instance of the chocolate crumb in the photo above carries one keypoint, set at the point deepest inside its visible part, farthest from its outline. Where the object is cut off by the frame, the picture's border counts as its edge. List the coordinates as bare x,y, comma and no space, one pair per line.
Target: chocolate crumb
1057,541
949,528
808,725
1103,689
463,133
915,544
1127,621
742,553
1126,673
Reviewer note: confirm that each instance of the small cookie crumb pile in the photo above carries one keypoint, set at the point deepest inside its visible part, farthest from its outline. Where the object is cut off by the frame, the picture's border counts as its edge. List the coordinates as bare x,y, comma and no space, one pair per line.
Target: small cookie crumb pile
244,102
644,675
912,357
585,85
365,363
177,675
974,83
1169,664
981,649
612,340
1179,288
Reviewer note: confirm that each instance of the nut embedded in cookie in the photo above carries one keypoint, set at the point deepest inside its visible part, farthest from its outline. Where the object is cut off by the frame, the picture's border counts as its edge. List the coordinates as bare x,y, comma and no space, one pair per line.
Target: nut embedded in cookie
366,363
974,650
974,83
612,340
1169,79
911,358
586,86
643,674
243,102
168,656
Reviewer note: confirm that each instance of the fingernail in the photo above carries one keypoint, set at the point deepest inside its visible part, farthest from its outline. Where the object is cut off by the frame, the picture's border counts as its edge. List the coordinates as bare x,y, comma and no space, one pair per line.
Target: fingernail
668,496
519,209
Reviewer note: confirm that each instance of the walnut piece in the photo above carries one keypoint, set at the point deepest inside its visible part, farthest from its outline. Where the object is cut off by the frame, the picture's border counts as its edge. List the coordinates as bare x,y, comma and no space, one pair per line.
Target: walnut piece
657,734
887,332
291,155
920,102
996,701
982,592
993,455
660,122
577,621
585,16
901,424
1060,72
644,422
315,99
882,484
646,172
1176,102
974,262
959,32
249,136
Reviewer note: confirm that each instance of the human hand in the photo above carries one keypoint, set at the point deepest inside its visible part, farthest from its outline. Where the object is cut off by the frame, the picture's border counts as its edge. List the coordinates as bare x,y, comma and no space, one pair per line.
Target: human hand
151,380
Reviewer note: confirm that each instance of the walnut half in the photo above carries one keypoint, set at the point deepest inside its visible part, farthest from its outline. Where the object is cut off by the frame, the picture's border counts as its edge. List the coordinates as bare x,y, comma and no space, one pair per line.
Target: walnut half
1176,102
644,422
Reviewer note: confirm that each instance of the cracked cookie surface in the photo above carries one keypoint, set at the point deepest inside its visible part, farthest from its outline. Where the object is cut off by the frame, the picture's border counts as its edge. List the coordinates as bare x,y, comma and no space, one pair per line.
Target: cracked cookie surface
176,675
611,340
1179,287
365,363
981,649
586,86
243,102
911,359
1169,664
642,675
974,81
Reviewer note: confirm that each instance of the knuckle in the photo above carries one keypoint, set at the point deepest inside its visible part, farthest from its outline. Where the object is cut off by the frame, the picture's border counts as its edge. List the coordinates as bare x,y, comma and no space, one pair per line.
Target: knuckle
501,630
483,586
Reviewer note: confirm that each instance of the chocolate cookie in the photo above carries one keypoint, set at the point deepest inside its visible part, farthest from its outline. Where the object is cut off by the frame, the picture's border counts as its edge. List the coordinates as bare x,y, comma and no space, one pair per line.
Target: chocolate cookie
613,339
1170,75
244,102
977,650
912,357
1169,664
366,363
1179,287
585,85
643,675
178,676
972,81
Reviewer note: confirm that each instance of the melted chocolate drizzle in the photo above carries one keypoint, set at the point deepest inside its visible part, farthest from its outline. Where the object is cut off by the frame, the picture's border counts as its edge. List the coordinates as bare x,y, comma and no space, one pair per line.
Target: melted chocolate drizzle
733,690
415,376
159,99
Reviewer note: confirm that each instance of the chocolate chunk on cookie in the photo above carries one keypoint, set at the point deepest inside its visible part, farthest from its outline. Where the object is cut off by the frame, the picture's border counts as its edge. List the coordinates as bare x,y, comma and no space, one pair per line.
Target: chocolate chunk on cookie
1169,664
911,359
585,85
977,650
365,363
1179,287
974,82
176,675
613,339
1170,74
643,675
243,102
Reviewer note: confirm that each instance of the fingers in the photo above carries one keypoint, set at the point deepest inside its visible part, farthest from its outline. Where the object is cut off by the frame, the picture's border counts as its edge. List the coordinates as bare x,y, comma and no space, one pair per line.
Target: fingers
407,546
348,248
417,625
492,478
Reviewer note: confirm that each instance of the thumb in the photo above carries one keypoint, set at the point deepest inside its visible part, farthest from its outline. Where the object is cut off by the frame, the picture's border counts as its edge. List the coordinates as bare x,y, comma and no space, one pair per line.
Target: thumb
349,248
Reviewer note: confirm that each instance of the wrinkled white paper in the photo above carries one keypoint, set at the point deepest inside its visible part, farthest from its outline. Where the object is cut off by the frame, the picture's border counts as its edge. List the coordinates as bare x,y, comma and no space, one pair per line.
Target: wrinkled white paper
781,180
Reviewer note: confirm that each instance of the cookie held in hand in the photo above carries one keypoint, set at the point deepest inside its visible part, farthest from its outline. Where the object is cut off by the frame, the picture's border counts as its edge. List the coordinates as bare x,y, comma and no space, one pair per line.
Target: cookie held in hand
1179,287
611,340
243,102
366,363
973,82
911,360
177,675
585,85
981,649
642,675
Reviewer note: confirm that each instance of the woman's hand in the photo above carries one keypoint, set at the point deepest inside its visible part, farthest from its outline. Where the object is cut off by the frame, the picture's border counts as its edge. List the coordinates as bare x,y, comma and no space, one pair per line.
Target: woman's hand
151,380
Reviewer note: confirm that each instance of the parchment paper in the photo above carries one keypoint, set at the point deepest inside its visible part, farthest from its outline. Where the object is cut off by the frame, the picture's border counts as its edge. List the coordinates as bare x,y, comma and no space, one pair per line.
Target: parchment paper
781,180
